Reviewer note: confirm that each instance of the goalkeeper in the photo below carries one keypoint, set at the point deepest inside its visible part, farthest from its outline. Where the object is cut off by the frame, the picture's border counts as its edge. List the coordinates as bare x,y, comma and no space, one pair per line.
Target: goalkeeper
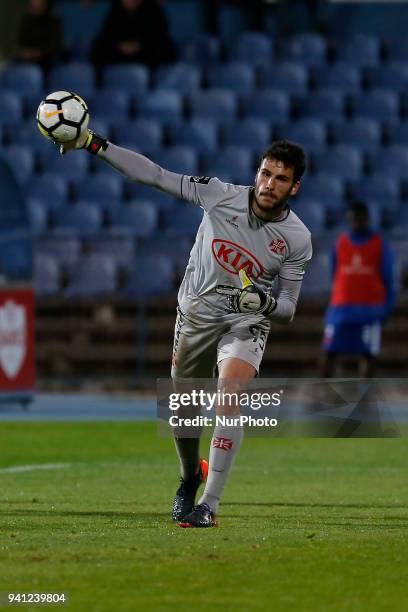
248,238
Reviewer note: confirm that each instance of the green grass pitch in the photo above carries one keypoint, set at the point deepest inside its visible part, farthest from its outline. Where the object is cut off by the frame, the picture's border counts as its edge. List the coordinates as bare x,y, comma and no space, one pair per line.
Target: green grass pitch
305,524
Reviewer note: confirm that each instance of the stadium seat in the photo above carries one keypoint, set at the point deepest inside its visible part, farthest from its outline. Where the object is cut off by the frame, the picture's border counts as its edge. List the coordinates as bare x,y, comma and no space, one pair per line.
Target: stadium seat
393,161
37,215
308,48
317,281
218,104
82,219
203,50
120,249
340,76
73,167
78,77
28,134
179,158
360,50
50,189
200,134
106,189
362,132
181,77
164,106
22,78
110,105
327,105
324,187
66,250
11,108
140,192
235,76
146,133
132,78
393,75
95,276
230,163
379,104
151,275
268,104
398,132
253,134
378,187
311,212
310,133
183,219
288,76
21,159
397,49
134,219
46,275
345,161
253,48
160,244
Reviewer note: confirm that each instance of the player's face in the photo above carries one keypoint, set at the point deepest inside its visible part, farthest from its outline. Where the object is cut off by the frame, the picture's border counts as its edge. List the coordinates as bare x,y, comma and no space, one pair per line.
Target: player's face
274,184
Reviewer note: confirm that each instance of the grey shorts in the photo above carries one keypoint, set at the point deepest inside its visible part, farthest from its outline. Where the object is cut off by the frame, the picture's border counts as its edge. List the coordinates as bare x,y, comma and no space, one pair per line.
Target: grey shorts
200,345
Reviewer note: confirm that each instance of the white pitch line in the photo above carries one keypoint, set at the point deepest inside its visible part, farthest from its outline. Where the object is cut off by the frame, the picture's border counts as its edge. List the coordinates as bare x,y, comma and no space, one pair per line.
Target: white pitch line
30,468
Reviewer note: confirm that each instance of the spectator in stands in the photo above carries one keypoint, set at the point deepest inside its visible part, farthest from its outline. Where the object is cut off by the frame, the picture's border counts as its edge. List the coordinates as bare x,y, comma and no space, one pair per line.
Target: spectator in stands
363,294
40,38
134,31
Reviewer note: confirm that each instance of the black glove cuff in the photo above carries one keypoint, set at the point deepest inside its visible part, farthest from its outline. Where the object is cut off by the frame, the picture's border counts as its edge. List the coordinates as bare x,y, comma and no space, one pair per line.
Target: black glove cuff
96,143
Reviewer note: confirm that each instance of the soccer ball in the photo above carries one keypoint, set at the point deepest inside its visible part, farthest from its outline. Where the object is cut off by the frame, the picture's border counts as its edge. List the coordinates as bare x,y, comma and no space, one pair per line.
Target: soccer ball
62,116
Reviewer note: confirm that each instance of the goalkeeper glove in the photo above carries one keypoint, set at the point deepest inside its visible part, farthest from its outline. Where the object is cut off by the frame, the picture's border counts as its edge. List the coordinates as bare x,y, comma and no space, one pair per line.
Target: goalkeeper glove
88,140
251,299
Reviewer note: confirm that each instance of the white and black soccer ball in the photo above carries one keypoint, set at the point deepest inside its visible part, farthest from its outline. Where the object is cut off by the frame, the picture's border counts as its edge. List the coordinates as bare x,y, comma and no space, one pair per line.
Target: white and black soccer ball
62,116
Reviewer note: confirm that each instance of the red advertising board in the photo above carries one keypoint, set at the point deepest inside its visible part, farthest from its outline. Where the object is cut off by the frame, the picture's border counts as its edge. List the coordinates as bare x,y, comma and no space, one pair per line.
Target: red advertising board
17,358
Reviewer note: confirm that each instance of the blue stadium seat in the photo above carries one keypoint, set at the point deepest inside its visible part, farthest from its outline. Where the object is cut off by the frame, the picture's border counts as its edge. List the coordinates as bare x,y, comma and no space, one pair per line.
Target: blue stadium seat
218,104
310,133
121,249
146,133
235,76
82,219
140,192
22,78
253,48
37,215
403,219
203,50
288,76
164,106
11,108
253,134
179,158
134,219
393,75
106,189
398,132
308,48
317,281
47,275
378,187
230,163
397,49
50,189
393,161
66,250
268,104
28,134
21,159
110,105
132,78
311,212
183,219
340,76
160,244
151,275
181,77
78,77
327,105
201,134
326,188
379,104
73,167
345,161
361,50
362,132
95,276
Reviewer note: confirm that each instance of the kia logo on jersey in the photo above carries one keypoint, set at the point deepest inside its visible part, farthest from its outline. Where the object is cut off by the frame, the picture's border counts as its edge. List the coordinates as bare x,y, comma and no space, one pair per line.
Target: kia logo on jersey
233,258
277,246
13,343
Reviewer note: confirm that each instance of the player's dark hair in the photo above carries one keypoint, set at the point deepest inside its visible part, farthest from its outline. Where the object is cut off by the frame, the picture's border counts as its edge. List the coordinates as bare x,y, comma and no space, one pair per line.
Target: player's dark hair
290,154
359,207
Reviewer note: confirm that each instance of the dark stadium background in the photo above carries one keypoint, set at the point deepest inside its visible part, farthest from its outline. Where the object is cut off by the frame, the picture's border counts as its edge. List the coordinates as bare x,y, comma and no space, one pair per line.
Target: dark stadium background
332,76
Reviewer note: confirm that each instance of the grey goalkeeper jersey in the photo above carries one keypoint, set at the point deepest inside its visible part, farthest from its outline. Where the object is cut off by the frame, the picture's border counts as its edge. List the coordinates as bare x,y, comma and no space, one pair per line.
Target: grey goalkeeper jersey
230,238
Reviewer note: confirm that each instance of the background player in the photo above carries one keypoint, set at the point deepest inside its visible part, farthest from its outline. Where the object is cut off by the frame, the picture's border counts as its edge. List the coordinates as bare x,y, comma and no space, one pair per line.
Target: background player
362,297
248,238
